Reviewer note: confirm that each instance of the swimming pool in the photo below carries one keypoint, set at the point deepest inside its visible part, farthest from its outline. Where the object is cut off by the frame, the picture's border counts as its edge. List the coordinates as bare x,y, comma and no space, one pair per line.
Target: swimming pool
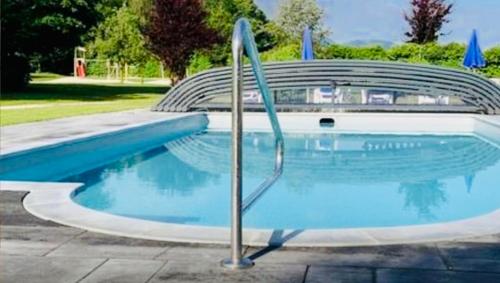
329,181
371,179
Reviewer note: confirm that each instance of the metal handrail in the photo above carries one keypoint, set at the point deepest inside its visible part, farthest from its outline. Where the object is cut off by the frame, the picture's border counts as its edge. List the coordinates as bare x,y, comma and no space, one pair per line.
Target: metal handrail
243,39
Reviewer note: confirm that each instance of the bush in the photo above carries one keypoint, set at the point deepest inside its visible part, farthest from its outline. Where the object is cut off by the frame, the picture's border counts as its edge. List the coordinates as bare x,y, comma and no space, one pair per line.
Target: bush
447,55
335,51
492,57
149,69
96,68
282,53
369,53
453,52
409,52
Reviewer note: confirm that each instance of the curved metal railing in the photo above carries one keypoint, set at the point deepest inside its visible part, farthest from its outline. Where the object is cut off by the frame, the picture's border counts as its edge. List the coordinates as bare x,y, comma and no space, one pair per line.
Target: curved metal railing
244,39
473,89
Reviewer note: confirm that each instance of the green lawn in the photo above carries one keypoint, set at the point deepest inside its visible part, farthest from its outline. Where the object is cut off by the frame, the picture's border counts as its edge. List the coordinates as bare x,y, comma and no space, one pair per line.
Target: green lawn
42,77
51,101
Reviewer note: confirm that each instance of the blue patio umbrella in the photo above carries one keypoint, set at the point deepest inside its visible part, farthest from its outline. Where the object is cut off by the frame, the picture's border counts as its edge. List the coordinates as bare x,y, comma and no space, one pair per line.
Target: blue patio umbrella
307,45
474,57
307,52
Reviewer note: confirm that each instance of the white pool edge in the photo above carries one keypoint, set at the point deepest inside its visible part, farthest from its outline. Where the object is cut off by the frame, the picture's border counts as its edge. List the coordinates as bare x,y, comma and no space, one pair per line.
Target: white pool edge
52,201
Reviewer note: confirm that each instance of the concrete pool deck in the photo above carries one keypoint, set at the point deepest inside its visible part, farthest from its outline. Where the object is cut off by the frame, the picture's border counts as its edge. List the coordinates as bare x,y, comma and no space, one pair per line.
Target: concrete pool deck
25,136
32,249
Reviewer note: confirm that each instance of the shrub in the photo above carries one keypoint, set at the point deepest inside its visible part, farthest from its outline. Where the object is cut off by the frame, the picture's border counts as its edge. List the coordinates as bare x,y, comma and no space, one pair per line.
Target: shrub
288,52
409,52
336,51
492,57
369,53
97,68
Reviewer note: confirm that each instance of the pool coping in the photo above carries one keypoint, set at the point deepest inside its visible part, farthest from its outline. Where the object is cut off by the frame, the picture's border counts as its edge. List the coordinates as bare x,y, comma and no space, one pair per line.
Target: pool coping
52,201
38,135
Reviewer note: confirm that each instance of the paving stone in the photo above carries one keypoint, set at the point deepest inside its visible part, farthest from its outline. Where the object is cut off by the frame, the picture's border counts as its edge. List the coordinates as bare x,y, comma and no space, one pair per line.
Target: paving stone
336,275
470,250
195,254
100,245
475,259
91,238
124,271
13,213
17,269
419,276
213,272
34,241
401,256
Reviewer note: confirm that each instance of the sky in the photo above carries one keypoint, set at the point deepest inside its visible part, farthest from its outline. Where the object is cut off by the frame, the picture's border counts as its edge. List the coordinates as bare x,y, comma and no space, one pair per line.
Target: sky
350,20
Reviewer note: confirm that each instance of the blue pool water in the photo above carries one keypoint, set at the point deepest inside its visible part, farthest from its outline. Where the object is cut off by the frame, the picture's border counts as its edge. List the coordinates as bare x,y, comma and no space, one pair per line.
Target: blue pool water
329,181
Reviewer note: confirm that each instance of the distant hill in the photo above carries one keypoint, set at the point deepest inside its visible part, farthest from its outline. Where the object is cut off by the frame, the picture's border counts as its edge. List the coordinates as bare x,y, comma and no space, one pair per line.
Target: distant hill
372,42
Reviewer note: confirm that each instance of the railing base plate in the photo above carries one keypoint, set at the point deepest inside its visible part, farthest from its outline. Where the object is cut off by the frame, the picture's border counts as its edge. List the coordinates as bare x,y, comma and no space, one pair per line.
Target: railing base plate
244,263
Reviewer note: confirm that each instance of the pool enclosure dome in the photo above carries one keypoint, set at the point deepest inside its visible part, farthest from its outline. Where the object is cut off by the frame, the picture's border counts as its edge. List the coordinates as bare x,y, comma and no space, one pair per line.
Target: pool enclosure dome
479,94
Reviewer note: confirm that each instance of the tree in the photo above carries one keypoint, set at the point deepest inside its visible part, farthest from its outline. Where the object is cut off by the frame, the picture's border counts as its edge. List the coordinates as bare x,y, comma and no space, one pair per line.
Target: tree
107,8
176,30
295,15
222,14
142,9
426,20
60,25
16,34
45,31
119,39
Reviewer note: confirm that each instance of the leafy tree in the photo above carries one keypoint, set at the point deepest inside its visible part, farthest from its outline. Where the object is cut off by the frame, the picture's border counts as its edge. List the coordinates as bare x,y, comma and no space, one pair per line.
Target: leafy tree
107,8
295,15
141,8
45,31
16,34
222,14
426,20
119,39
199,62
177,29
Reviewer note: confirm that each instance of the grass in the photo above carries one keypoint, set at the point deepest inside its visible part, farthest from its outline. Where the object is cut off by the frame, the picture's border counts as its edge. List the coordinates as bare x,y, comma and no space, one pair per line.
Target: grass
41,102
42,77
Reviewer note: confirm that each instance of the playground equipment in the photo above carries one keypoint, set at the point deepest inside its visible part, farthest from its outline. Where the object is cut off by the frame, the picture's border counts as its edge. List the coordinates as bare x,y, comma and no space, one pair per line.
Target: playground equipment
79,62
